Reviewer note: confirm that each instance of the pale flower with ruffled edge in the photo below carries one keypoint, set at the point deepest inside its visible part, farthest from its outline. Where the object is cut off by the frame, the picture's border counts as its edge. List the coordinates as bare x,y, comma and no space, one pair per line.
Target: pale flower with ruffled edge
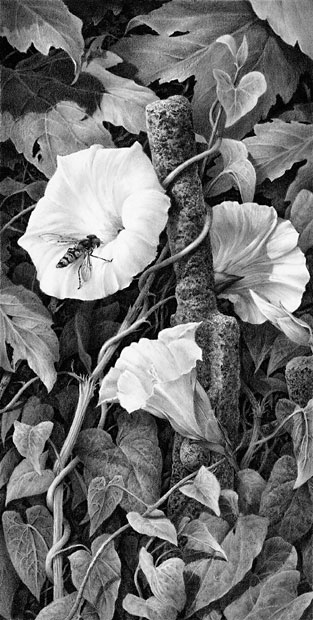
254,249
111,193
295,329
160,377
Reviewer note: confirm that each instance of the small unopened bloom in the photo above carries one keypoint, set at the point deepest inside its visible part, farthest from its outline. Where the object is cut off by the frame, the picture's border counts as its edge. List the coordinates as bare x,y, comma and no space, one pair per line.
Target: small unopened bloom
159,376
114,196
254,250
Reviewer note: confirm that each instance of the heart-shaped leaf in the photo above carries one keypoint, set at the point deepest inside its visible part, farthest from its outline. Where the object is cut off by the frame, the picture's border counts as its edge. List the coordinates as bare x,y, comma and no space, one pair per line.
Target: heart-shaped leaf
156,524
102,500
238,100
302,437
30,440
28,544
103,583
136,457
25,481
200,539
237,170
205,488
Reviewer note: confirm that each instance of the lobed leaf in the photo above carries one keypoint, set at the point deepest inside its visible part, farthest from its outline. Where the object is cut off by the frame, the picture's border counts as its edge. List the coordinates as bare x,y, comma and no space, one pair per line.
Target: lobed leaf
237,101
250,489
26,327
276,556
195,52
165,580
102,500
45,114
152,608
136,457
302,437
156,524
8,579
43,24
277,145
30,441
200,539
290,23
282,504
205,488
28,544
237,169
215,578
25,481
103,583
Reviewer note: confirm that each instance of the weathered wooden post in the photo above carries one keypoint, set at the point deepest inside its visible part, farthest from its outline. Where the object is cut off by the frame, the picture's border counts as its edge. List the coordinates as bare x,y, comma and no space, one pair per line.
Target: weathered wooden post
172,142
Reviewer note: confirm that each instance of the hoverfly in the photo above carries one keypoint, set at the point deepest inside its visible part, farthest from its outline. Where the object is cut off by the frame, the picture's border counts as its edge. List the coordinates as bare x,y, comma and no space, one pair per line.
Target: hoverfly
80,248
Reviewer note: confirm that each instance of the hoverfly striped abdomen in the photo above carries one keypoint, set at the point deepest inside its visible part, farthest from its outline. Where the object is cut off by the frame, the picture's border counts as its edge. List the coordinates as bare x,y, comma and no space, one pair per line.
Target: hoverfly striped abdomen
81,249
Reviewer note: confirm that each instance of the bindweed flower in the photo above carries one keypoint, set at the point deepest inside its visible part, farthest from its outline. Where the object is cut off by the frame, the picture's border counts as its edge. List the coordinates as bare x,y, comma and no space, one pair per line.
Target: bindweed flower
114,196
295,329
159,376
254,250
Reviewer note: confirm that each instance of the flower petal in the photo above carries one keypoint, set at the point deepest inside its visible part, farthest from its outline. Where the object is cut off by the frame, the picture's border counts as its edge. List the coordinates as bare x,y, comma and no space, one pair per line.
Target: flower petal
296,330
249,241
160,377
111,193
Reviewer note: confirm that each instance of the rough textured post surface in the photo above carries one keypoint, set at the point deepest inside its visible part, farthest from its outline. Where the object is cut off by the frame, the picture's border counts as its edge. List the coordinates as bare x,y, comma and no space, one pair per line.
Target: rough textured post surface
299,378
172,142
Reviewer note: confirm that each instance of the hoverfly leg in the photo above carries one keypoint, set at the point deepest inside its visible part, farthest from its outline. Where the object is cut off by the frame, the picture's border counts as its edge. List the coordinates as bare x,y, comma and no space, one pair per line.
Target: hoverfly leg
80,283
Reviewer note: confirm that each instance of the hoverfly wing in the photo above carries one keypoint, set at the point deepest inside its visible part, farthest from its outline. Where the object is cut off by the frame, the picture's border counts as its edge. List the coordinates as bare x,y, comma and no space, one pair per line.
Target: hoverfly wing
86,269
60,239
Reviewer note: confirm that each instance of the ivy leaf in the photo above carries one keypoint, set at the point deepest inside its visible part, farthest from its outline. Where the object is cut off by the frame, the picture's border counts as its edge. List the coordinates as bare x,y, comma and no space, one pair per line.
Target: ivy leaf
278,596
59,609
205,488
7,465
103,583
123,101
215,578
301,216
303,180
277,145
277,555
240,55
166,57
102,500
10,187
200,539
26,327
152,608
282,504
136,457
8,579
43,24
283,350
166,580
290,23
45,115
237,168
250,488
156,524
30,440
25,481
302,437
28,544
237,101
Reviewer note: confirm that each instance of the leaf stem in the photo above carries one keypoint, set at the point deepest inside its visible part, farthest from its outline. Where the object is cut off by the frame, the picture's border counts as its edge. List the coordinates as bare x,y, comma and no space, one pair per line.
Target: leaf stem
185,164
